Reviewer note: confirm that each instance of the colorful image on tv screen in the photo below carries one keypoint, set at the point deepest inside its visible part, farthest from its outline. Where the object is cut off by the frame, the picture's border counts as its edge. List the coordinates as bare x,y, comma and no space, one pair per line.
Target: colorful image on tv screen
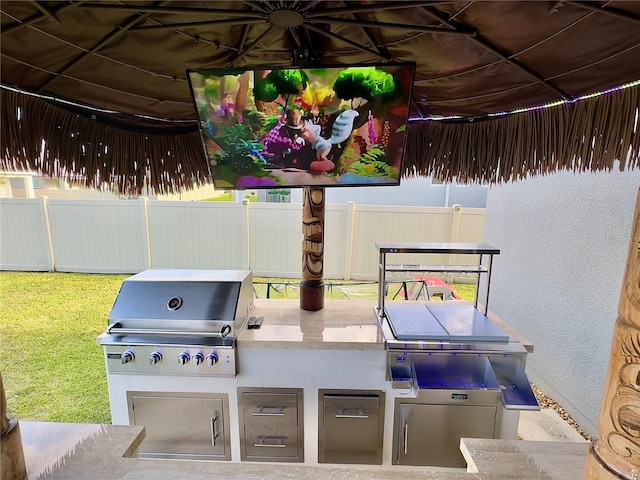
299,127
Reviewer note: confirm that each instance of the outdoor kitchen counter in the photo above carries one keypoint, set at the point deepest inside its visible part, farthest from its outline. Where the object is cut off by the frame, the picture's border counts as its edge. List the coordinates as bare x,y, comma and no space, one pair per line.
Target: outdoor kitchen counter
82,451
340,325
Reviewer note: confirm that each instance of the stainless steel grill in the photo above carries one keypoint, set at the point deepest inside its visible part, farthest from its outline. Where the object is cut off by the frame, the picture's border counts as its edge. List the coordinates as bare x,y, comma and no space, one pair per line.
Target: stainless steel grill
178,322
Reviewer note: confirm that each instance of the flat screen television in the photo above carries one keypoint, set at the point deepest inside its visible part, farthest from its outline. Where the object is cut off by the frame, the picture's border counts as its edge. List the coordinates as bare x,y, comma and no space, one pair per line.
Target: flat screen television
287,127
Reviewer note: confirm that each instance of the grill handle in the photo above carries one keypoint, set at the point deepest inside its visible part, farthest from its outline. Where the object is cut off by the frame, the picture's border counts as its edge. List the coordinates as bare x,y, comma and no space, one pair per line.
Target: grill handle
116,328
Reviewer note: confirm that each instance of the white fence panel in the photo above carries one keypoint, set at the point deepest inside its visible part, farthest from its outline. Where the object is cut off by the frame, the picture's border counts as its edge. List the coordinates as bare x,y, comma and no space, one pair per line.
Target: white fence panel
468,228
198,235
24,237
471,225
98,236
276,240
127,236
275,230
373,224
337,241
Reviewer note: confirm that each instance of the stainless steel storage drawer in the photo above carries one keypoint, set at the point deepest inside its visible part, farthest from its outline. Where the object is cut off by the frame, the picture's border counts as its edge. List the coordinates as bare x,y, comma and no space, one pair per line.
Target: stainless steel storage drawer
351,425
276,443
270,408
271,424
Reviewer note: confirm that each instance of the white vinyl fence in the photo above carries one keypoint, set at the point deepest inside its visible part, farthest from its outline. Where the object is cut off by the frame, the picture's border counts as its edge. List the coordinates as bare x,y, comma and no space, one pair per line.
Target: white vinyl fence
128,236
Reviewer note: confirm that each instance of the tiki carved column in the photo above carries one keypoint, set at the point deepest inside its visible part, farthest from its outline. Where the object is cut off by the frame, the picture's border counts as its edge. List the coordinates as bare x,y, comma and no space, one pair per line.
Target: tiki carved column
12,466
616,452
312,285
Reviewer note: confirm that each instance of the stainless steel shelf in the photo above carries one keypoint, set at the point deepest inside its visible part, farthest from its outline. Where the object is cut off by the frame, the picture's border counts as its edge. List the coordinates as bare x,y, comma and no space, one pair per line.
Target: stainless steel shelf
437,248
479,249
435,268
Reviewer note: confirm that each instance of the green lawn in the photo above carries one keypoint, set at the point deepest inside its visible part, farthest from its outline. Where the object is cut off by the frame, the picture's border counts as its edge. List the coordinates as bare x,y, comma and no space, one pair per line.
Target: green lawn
52,368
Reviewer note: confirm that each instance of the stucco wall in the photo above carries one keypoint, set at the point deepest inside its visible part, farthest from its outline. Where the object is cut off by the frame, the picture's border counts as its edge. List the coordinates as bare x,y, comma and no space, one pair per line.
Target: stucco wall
564,240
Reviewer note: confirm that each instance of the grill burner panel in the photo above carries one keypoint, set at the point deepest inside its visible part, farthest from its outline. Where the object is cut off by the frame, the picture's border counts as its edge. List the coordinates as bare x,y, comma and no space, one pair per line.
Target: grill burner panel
178,322
171,360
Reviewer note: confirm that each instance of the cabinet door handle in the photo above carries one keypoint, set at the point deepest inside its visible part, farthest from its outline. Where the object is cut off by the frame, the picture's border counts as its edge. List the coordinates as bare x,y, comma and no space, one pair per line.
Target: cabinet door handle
406,438
364,417
214,433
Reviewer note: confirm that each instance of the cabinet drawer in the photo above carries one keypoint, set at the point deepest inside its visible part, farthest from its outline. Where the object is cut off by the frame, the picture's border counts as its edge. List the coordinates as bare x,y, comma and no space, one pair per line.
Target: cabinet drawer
265,442
271,424
351,427
270,408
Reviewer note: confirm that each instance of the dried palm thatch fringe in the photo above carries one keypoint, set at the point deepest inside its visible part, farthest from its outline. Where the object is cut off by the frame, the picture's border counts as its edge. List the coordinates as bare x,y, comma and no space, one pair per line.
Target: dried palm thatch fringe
588,135
87,151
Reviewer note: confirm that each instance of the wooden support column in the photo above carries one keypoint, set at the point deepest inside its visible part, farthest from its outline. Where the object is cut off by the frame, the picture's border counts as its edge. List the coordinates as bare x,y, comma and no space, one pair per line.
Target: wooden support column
616,452
312,285
12,466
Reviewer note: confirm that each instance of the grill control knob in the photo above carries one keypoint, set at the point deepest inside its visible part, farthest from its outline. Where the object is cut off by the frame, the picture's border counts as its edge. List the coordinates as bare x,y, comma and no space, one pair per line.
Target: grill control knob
126,357
212,358
184,358
198,358
155,357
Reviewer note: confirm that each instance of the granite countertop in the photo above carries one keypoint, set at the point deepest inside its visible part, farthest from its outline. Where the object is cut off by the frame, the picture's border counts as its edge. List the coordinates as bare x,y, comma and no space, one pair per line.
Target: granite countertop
341,324
55,451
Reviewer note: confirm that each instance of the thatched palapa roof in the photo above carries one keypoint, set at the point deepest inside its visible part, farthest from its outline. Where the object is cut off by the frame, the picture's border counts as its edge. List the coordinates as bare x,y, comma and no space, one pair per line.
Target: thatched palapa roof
104,84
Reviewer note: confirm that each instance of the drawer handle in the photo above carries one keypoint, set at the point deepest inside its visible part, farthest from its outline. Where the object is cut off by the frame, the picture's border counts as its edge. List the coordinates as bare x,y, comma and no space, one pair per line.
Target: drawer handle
359,415
262,413
278,439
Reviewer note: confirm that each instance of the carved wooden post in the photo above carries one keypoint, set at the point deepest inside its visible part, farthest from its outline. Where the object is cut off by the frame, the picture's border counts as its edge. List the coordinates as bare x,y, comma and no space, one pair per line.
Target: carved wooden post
12,466
616,452
312,285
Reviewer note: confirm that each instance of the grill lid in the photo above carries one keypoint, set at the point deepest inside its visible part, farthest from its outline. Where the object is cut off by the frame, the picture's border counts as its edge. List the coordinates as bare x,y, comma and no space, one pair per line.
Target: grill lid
184,300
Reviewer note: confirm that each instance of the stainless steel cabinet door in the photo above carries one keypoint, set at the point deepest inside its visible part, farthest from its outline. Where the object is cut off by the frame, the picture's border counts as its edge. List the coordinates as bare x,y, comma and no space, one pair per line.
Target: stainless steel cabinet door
181,425
430,434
